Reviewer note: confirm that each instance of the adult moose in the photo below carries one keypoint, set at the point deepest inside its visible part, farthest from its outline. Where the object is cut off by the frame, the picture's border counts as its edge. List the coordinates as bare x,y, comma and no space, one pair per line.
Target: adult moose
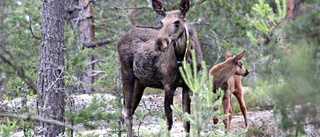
150,58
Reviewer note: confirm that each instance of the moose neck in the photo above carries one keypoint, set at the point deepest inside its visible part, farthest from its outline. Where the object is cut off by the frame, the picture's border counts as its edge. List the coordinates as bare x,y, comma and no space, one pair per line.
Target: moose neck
181,45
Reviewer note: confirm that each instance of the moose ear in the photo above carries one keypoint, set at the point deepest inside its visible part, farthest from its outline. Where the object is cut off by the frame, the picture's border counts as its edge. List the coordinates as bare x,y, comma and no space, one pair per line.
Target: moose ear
159,8
239,56
184,7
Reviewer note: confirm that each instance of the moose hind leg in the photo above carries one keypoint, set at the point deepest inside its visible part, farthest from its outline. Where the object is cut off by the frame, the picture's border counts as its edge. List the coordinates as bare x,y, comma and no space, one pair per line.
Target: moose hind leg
226,108
137,94
168,101
186,107
215,119
127,111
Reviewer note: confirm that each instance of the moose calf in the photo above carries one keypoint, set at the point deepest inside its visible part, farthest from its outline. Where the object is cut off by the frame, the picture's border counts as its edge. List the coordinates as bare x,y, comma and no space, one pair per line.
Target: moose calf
236,88
222,72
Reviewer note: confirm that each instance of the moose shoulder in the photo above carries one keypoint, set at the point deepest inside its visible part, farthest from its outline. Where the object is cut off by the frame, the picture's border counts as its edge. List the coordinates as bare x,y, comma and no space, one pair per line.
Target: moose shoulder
148,58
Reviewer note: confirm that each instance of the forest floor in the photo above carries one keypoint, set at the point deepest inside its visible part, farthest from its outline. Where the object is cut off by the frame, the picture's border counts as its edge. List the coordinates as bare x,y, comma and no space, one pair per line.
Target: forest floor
150,113
261,122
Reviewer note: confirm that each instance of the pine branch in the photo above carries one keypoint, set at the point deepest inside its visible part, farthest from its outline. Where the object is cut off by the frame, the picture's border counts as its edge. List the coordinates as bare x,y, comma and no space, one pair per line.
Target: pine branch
16,66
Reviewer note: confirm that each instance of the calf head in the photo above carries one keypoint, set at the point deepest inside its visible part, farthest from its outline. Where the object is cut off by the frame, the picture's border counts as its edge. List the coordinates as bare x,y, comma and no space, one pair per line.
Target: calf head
237,63
173,24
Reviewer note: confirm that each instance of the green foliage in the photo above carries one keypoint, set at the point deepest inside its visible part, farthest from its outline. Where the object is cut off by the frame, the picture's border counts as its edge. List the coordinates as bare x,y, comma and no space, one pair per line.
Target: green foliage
19,18
11,126
95,111
264,19
27,128
221,25
296,94
8,128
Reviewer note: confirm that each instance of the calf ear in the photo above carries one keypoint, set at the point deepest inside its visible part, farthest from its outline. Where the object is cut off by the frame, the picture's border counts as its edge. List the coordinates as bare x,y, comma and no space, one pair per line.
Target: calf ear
227,54
239,56
184,7
159,8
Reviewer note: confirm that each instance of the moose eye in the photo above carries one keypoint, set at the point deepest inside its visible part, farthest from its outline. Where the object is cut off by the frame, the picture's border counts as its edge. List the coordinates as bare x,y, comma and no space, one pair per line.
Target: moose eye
161,24
177,24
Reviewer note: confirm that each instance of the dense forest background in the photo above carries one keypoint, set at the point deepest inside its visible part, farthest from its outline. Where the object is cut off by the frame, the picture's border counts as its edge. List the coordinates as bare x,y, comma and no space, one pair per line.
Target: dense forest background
281,39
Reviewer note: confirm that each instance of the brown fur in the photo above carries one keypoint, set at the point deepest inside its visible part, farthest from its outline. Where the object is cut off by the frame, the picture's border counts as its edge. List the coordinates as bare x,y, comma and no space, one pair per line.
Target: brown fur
148,58
222,72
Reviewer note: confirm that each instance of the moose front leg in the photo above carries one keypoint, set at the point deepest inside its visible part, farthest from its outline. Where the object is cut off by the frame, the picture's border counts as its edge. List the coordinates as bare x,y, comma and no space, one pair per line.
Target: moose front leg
186,107
242,104
168,101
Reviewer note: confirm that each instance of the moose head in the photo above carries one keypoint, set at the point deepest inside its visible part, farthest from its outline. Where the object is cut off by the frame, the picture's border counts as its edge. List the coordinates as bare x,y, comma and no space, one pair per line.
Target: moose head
173,25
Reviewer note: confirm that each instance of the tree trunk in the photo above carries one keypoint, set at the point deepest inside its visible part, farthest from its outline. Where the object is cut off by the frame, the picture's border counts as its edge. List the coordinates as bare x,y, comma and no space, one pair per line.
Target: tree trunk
297,8
290,7
86,28
2,3
50,99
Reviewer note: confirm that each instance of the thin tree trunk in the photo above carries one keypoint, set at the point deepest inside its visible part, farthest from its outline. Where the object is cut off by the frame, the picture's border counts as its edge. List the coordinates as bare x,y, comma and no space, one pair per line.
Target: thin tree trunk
2,4
50,99
297,8
290,7
86,28
134,14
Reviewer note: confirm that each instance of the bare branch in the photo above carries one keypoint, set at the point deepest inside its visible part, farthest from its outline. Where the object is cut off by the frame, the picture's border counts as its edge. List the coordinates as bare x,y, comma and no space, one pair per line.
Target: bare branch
111,19
150,27
200,2
132,8
98,43
312,7
15,65
37,118
33,35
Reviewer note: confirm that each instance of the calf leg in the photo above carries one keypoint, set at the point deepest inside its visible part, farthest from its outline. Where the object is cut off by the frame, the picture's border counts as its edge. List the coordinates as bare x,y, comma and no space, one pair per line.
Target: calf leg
186,107
216,108
168,101
226,108
239,96
215,119
231,112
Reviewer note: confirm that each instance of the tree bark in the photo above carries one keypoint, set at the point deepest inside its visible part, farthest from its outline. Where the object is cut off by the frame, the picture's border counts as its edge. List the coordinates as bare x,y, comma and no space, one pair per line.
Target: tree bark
86,28
50,99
